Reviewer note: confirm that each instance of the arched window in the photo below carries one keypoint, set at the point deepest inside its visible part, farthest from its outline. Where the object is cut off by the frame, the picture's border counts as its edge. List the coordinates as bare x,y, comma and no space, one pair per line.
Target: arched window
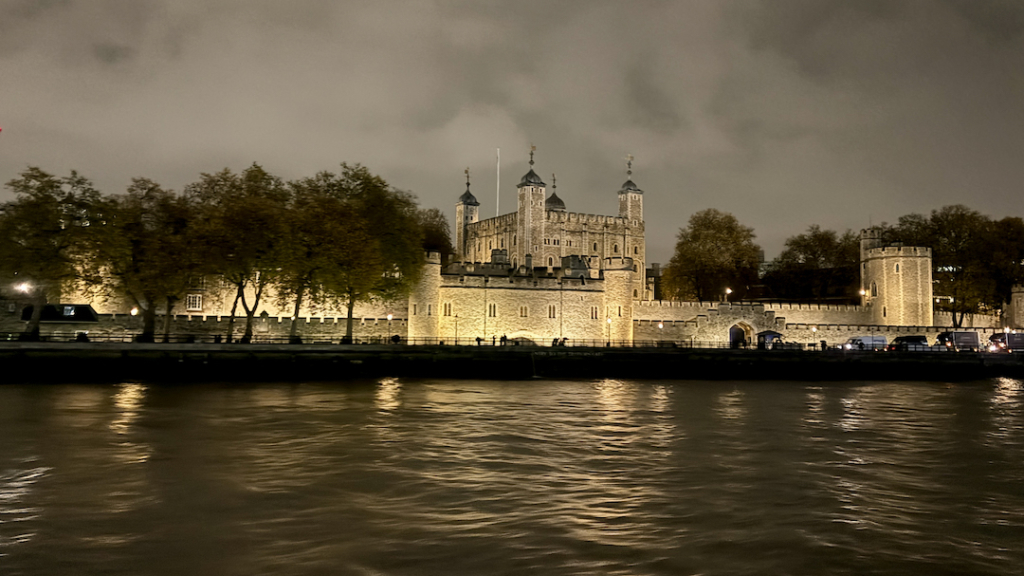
551,261
897,268
874,289
635,269
636,249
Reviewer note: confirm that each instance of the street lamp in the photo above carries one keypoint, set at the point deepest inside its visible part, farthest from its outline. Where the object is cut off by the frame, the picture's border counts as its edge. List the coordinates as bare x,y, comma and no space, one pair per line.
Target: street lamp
390,316
609,332
24,287
456,329
727,292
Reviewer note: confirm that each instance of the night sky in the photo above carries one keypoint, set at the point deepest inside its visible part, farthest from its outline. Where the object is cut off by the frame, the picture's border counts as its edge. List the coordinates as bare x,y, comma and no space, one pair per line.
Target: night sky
784,113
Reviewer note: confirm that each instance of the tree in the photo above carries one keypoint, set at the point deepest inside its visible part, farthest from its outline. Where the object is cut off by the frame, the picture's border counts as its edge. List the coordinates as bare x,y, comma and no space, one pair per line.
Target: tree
713,252
437,236
817,264
144,250
242,226
43,235
327,238
958,237
1005,245
392,260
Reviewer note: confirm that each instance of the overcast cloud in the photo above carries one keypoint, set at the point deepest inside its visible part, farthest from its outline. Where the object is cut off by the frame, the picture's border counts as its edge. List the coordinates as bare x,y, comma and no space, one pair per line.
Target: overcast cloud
785,113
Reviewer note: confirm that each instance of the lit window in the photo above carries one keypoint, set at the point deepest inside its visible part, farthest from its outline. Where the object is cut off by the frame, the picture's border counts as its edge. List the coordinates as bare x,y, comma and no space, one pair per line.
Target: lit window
194,302
69,310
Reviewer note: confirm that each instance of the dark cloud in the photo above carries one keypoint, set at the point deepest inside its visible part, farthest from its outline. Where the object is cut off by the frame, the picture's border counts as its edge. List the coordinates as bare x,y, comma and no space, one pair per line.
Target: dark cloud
786,113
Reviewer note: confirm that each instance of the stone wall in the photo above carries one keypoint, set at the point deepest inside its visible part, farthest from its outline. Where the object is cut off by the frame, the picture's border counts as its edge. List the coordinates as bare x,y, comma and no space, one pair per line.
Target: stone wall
205,328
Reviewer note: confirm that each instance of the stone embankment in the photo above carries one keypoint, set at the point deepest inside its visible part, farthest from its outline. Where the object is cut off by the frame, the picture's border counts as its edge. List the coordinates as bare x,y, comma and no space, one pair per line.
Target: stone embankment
116,362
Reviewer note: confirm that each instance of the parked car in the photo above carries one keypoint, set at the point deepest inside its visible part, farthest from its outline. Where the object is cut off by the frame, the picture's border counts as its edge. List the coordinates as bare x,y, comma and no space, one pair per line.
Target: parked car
1006,342
959,341
865,343
907,343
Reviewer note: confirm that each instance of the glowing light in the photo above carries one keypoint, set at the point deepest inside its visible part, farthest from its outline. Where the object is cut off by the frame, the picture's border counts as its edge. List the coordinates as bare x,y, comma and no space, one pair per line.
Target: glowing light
24,287
661,325
135,312
390,317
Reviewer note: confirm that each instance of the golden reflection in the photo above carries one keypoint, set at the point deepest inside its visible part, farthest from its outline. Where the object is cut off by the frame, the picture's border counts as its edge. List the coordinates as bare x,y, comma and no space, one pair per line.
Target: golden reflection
388,391
613,395
1006,404
128,401
730,406
660,400
81,407
853,418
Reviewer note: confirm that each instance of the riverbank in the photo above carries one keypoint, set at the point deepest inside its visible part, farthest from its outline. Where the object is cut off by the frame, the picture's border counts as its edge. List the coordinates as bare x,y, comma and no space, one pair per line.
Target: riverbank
114,362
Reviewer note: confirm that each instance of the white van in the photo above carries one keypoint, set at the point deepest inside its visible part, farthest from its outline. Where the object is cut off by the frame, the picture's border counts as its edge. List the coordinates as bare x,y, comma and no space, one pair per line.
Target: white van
865,343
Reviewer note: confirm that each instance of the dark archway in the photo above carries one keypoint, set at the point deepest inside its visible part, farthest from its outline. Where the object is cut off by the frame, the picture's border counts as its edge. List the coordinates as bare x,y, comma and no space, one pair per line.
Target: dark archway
740,335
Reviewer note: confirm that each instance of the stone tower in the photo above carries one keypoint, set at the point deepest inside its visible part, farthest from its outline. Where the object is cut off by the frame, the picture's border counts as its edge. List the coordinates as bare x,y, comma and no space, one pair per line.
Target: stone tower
618,291
530,224
1014,313
631,207
425,298
896,282
467,211
631,197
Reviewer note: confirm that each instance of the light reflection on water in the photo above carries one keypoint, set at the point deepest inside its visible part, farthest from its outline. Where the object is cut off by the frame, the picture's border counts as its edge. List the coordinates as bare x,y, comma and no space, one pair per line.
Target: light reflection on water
466,477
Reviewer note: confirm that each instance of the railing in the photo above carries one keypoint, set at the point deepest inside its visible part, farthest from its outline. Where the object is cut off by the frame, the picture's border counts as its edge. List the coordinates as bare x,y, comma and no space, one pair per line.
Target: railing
381,340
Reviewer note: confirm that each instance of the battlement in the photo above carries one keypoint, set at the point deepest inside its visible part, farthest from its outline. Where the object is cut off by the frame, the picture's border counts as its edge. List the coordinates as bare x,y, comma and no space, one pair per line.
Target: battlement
613,263
814,307
902,251
559,216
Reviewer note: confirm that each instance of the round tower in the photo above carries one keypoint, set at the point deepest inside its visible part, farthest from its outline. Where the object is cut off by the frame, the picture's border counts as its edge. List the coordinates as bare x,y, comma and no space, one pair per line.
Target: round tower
425,298
618,298
1014,314
897,284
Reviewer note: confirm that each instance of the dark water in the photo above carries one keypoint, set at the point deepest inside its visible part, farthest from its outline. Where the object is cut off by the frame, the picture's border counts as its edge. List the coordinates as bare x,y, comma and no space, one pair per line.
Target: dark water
463,477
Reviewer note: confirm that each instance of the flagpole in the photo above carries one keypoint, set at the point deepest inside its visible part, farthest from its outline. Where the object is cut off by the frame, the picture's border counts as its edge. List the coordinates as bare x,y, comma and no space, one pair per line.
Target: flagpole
497,186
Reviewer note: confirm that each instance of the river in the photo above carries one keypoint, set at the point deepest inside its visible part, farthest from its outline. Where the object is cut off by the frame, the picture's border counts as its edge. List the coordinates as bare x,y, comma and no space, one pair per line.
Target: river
424,477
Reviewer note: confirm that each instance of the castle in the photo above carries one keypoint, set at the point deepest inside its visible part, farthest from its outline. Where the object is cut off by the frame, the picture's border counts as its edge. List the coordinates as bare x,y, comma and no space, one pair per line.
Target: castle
544,274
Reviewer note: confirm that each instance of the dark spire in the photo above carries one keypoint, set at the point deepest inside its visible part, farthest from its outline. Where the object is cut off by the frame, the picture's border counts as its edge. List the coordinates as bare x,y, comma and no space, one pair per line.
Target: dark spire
554,202
531,178
467,196
628,185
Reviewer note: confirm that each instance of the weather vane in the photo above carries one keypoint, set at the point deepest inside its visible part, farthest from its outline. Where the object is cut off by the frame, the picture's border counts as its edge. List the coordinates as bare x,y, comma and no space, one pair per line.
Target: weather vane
629,164
532,150
467,178
554,183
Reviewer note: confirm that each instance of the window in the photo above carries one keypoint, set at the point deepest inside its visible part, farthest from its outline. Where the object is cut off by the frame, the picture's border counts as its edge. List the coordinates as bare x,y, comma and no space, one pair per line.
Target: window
69,310
897,268
502,242
524,311
551,311
883,311
413,309
514,238
447,308
193,302
430,309
620,311
595,246
636,250
492,310
635,293
551,261
635,269
593,312
874,289
615,248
